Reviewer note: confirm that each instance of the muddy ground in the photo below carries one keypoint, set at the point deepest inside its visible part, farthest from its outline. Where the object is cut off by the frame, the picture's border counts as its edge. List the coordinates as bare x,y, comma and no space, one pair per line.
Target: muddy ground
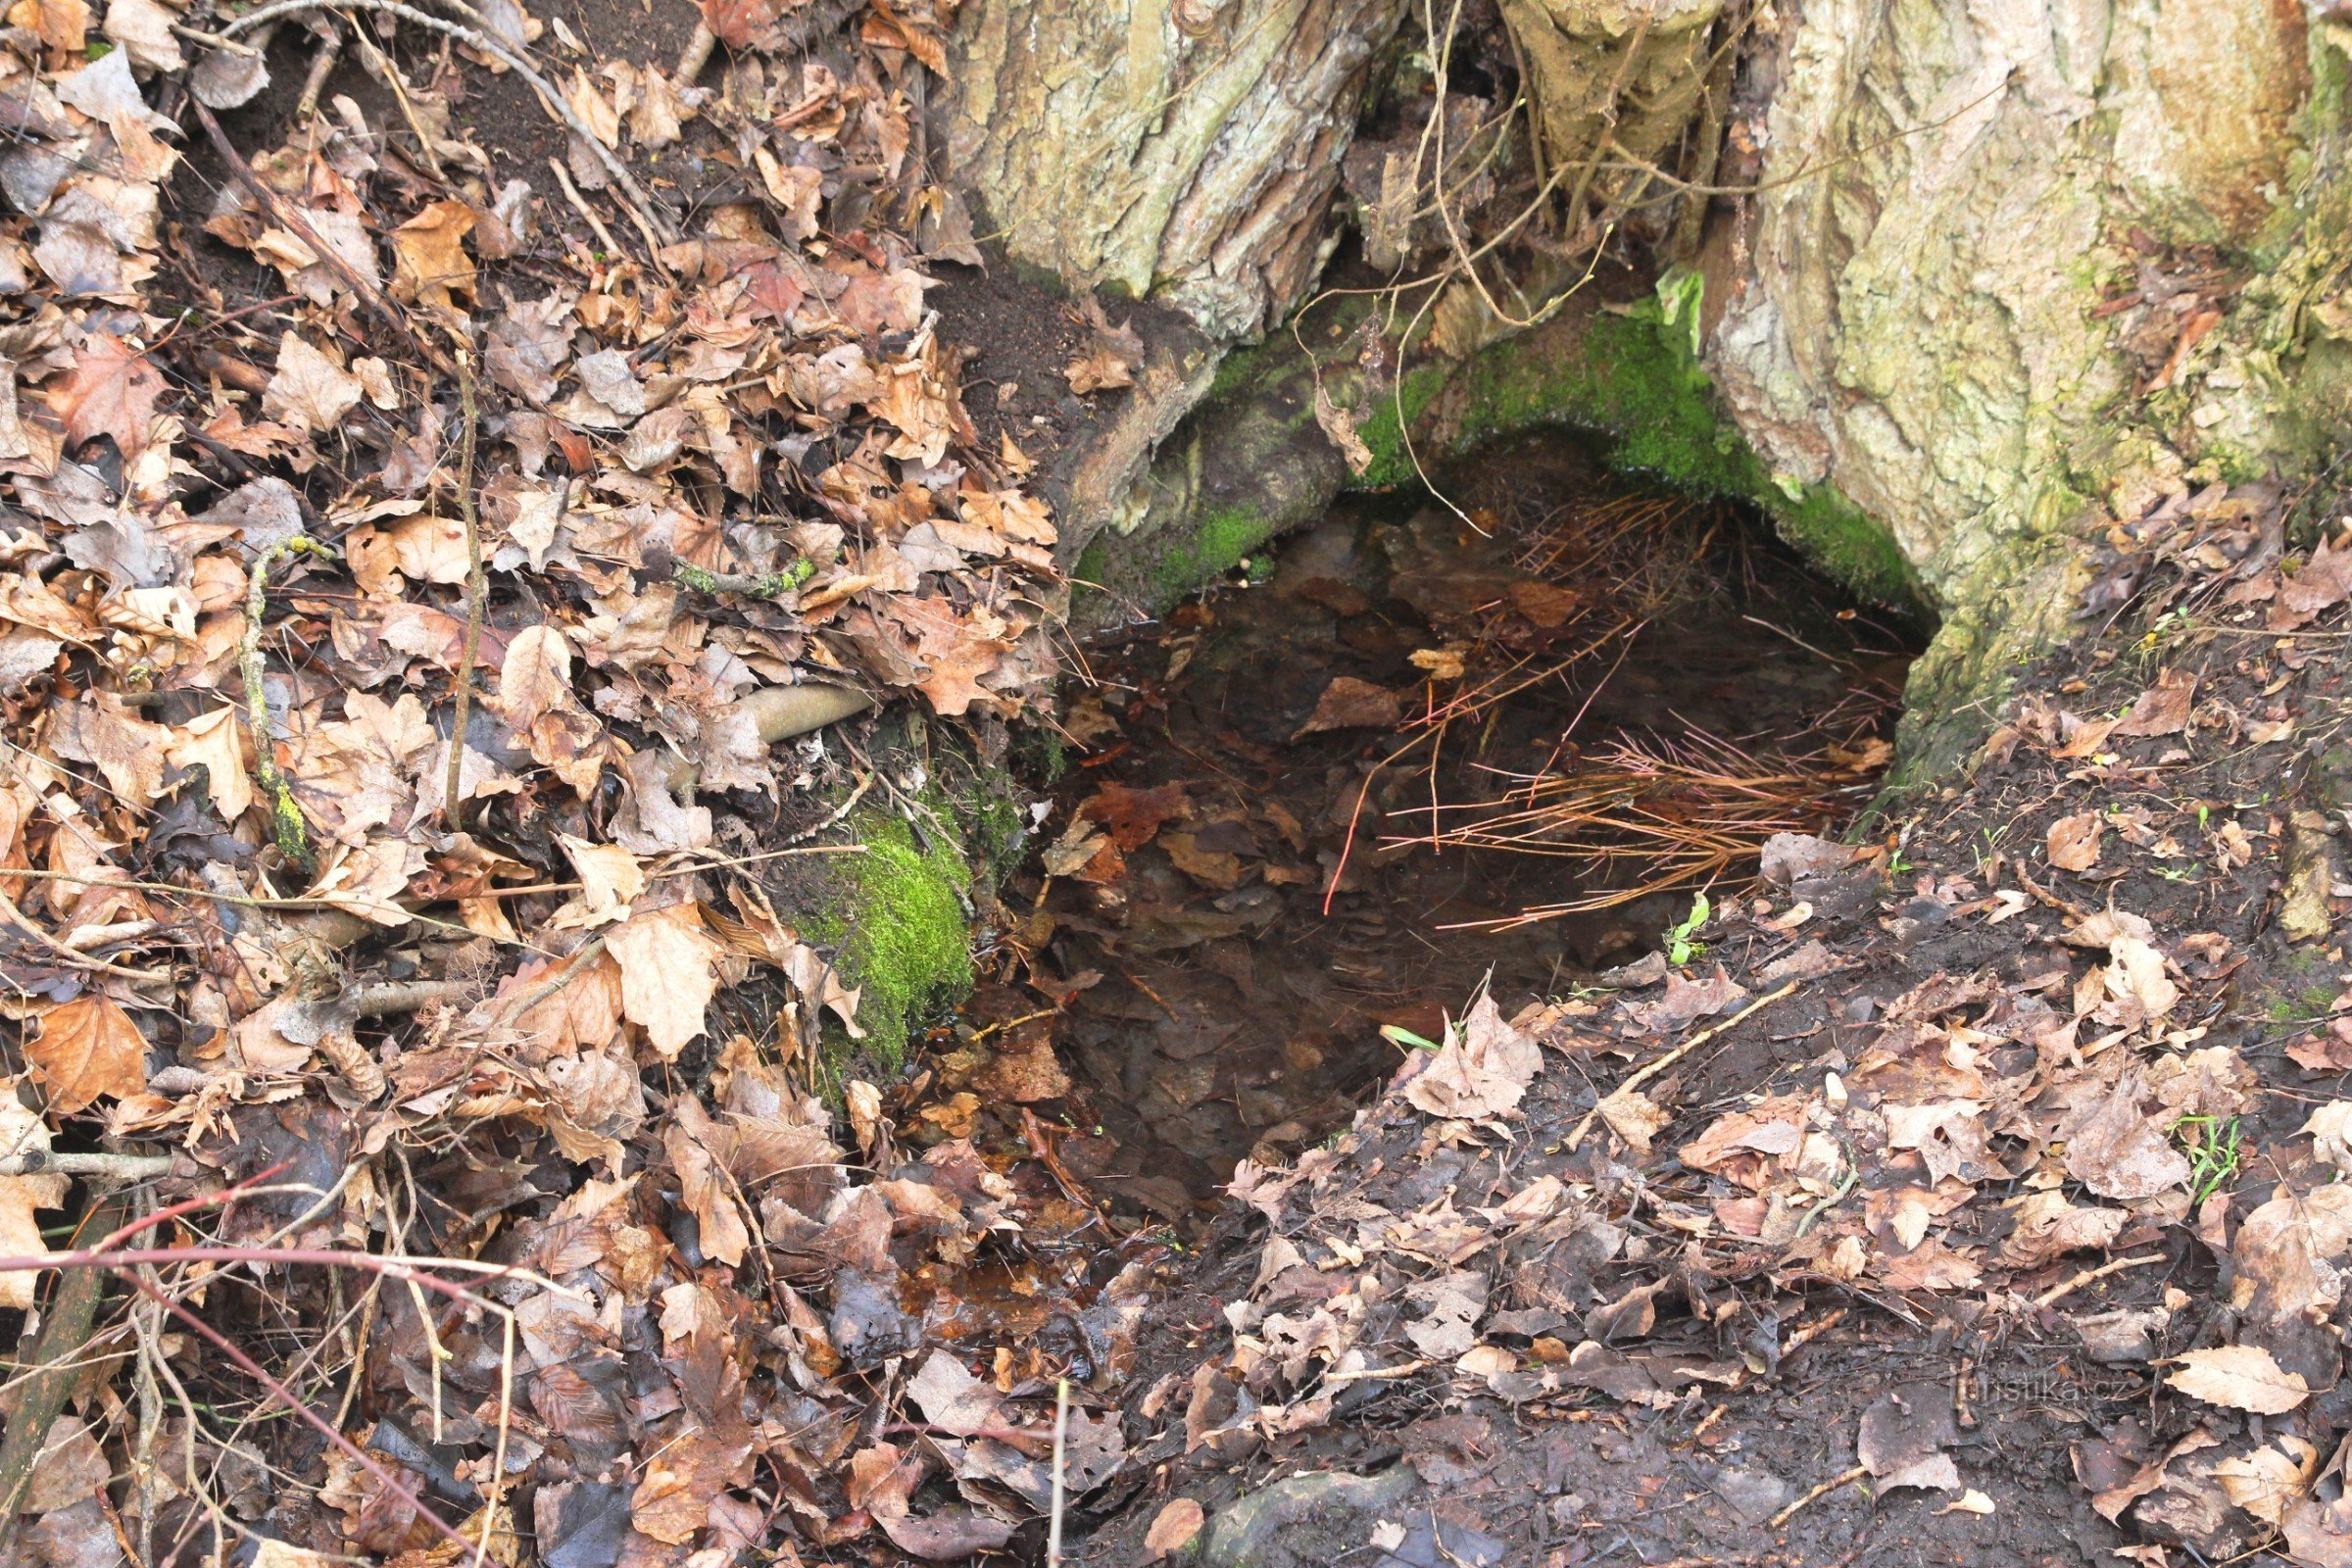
1660,1356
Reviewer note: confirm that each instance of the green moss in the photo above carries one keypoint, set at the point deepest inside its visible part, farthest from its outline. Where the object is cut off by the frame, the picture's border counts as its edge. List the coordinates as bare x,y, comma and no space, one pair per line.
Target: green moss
901,929
1224,538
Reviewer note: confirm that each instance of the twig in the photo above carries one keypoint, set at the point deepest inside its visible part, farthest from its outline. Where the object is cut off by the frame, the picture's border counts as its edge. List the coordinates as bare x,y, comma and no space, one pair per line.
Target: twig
2058,1293
696,55
375,59
330,50
487,42
290,217
1810,1332
1062,1427
404,996
293,838
284,1395
579,205
1676,1055
55,1365
475,589
119,1167
77,960
1841,1478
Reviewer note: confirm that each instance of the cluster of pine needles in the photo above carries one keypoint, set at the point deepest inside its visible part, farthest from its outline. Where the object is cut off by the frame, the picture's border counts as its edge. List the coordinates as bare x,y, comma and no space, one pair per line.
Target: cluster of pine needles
1637,815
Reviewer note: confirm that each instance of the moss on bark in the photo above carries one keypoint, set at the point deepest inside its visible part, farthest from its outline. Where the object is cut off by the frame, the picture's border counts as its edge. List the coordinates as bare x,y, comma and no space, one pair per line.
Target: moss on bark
1253,460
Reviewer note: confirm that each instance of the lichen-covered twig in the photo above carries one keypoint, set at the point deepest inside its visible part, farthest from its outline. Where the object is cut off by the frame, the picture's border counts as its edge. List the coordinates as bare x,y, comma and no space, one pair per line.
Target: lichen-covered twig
475,586
752,585
286,824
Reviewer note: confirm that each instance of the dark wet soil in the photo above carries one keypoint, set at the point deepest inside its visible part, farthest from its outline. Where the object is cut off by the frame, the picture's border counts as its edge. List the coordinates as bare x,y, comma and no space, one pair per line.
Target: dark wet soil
1269,912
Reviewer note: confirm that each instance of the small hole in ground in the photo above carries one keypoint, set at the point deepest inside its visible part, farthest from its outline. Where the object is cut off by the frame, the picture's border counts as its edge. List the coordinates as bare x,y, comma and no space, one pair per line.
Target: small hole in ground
1403,754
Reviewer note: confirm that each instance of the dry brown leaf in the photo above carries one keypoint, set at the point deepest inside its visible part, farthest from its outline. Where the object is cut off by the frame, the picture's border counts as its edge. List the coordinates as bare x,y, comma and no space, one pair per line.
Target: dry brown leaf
2164,708
667,973
110,392
2074,841
1483,1070
1173,1528
21,1133
430,261
310,391
216,741
87,1048
1351,703
2238,1377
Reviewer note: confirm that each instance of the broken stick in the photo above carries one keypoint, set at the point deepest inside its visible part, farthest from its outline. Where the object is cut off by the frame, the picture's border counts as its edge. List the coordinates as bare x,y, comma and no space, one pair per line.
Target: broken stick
1676,1055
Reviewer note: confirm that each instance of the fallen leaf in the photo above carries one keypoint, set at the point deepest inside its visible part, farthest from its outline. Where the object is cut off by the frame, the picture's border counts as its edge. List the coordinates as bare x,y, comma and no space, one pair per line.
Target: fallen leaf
2324,582
1173,1528
1351,703
2074,841
310,390
110,392
87,1048
2163,709
667,975
1634,1117
1482,1070
21,1133
215,742
430,261
2238,1377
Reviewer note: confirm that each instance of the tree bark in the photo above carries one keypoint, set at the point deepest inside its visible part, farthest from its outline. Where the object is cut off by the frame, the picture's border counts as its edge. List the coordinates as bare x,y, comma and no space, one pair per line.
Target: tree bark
1181,149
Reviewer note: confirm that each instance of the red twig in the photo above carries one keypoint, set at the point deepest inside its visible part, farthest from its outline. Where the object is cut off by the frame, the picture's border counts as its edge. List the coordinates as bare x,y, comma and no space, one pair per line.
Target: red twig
190,1205
404,1269
285,1396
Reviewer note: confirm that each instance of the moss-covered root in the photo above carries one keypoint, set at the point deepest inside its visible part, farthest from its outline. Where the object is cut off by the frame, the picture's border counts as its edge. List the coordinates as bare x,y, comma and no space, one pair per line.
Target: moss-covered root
1253,460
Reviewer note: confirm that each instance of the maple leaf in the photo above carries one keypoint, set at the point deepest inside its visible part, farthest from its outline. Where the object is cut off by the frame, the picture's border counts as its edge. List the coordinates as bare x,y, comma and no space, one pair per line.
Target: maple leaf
110,392
87,1048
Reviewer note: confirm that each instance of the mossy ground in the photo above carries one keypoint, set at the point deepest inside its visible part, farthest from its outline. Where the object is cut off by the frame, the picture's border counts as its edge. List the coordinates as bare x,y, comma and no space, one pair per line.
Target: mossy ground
902,929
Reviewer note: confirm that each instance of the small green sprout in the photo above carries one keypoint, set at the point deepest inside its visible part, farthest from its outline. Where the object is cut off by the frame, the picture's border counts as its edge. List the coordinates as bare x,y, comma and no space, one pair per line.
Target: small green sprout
1679,948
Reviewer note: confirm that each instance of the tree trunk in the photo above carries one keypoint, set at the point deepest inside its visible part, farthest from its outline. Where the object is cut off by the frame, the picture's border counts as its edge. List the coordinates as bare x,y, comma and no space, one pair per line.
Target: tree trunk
1981,277
1184,149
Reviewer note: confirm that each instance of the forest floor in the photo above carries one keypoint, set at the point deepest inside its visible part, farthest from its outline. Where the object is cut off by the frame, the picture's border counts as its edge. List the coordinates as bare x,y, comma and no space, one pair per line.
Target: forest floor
423,1015
1969,1195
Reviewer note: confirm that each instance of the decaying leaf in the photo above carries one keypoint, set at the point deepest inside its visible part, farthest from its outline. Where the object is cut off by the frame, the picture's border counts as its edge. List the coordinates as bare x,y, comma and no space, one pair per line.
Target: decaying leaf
1482,1070
2238,1377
